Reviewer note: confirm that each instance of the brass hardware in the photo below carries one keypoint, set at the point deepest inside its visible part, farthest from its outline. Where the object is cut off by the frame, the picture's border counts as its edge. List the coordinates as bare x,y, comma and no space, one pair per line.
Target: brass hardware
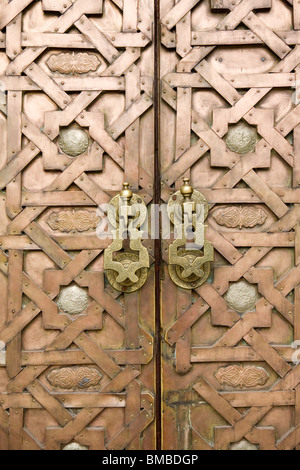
126,269
190,254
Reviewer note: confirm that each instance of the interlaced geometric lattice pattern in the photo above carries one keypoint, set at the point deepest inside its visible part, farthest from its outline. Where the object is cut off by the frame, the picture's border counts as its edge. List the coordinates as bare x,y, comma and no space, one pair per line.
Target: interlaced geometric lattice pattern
76,120
231,122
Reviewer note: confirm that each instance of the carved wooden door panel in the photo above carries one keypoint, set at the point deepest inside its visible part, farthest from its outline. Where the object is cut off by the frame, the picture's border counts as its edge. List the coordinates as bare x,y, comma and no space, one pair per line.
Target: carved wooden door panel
230,122
76,121
77,110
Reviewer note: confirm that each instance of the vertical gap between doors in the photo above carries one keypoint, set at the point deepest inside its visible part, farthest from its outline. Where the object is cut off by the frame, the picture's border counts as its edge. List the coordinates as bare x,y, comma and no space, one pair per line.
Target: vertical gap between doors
157,194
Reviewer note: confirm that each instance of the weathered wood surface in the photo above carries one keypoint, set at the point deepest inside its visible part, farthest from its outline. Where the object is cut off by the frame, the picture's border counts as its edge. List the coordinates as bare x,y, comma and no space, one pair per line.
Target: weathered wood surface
89,65
224,63
85,65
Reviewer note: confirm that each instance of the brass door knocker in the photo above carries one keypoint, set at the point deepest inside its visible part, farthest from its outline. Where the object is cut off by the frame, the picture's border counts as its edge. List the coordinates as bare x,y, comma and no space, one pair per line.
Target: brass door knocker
126,269
190,254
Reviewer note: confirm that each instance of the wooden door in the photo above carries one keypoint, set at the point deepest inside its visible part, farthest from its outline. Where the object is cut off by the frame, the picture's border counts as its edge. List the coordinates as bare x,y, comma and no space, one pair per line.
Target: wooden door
79,116
230,122
76,121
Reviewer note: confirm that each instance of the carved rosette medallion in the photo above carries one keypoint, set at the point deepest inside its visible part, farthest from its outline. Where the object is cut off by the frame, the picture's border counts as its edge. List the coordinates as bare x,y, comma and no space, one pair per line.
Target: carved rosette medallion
239,376
242,217
75,446
243,445
241,138
242,296
73,63
74,377
73,141
73,300
73,221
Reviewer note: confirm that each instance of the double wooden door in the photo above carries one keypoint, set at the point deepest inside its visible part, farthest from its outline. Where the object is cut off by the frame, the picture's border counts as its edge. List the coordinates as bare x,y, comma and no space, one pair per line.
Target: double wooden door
94,93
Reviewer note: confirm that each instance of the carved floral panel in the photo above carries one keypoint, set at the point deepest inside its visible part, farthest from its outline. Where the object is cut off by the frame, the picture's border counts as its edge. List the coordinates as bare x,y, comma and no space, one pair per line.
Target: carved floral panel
240,376
77,378
241,217
73,221
73,63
